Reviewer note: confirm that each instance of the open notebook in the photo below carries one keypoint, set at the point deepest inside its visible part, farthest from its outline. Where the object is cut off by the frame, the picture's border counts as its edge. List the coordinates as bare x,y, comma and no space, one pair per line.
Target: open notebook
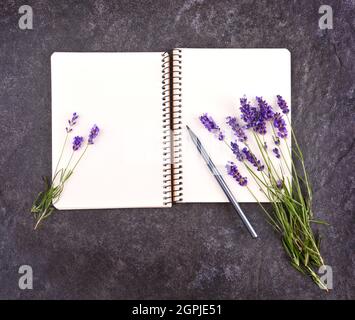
143,156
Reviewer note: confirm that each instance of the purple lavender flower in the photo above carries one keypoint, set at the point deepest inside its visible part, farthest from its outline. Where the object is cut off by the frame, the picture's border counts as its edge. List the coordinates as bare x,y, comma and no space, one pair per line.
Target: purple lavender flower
234,172
248,113
72,122
93,134
279,184
252,117
77,142
235,149
256,117
265,109
280,125
260,126
252,159
282,104
211,126
265,146
276,140
208,122
237,128
276,152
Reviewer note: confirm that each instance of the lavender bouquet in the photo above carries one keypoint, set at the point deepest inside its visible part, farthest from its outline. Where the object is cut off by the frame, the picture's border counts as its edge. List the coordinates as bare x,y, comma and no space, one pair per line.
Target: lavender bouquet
43,205
291,199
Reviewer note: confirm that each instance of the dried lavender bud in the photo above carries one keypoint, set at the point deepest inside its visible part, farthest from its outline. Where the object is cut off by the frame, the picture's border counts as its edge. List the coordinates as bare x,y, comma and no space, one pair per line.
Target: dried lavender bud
276,152
248,113
220,135
236,128
280,125
72,122
282,104
265,109
252,159
252,117
234,172
235,149
279,184
211,126
77,142
276,140
93,134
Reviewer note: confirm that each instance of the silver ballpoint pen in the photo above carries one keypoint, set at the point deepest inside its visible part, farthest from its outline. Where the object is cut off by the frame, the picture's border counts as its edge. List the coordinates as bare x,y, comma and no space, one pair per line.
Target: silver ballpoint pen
221,182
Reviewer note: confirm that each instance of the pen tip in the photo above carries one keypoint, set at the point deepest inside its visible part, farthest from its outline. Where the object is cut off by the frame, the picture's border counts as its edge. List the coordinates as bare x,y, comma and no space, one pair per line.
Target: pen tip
188,128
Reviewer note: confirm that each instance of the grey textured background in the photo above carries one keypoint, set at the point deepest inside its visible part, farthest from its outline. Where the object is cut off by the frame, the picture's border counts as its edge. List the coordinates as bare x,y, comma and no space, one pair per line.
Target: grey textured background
190,251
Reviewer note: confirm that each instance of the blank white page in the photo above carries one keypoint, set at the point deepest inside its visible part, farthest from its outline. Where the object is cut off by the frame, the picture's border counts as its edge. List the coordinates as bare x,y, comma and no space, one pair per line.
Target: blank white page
121,94
213,81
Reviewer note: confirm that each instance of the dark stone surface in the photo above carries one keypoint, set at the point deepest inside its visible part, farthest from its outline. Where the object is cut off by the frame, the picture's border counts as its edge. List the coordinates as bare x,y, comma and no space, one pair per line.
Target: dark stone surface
190,251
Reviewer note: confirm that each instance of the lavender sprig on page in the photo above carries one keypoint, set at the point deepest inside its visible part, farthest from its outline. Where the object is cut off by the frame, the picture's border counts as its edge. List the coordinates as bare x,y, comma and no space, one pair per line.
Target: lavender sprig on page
43,206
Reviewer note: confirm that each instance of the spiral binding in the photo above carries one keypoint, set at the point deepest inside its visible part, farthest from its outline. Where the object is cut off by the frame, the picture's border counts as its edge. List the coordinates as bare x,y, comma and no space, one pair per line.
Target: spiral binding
172,126
167,170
